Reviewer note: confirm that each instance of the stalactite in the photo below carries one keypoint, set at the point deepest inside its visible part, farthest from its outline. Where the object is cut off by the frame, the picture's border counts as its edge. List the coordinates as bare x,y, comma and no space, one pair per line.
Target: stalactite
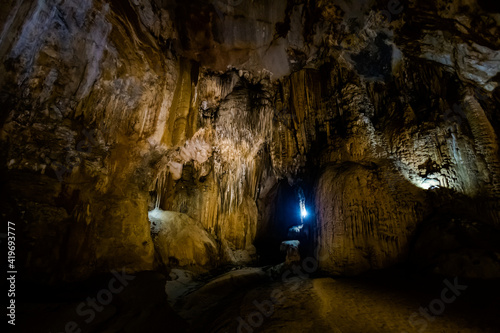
486,140
241,132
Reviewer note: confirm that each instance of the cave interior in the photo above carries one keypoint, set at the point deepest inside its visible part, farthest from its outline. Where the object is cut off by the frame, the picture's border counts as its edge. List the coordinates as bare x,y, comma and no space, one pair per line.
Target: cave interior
250,165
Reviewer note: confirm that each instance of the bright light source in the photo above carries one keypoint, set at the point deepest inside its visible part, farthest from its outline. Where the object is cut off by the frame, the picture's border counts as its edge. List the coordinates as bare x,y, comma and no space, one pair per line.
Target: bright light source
302,205
303,211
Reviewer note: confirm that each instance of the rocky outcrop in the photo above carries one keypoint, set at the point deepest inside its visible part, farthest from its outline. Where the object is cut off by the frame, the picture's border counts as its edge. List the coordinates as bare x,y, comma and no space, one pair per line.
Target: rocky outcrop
363,222
181,241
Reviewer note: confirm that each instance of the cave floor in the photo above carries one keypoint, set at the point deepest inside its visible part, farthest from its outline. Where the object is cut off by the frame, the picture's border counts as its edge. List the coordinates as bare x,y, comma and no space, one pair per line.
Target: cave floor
384,301
372,303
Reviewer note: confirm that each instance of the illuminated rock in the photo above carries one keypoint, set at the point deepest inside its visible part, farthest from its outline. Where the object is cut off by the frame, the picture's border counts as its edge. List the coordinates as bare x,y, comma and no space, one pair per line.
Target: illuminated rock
181,241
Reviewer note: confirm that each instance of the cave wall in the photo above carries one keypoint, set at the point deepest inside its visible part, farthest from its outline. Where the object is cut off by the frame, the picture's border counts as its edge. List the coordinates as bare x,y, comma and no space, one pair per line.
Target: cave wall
111,108
389,117
361,126
373,222
83,88
105,103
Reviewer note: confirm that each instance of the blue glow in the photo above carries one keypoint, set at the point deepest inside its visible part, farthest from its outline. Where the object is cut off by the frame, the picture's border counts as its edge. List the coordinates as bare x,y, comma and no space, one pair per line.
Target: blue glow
303,212
302,205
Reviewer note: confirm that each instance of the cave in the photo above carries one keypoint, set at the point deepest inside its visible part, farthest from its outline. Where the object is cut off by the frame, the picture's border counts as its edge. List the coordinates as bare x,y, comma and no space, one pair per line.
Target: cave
288,218
250,165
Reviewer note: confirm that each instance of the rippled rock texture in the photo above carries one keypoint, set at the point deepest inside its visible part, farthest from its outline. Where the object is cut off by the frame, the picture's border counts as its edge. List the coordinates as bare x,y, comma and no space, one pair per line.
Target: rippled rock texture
385,114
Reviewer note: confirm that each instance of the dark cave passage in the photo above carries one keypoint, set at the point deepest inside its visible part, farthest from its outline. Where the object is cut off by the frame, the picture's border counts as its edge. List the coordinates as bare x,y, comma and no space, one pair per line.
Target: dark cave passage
291,217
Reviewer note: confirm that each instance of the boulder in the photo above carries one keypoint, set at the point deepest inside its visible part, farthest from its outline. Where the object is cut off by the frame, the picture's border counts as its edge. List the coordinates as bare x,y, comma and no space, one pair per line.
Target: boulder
182,241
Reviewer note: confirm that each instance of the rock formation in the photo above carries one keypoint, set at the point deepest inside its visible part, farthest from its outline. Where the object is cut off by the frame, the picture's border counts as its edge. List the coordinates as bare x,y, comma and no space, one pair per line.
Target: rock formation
385,114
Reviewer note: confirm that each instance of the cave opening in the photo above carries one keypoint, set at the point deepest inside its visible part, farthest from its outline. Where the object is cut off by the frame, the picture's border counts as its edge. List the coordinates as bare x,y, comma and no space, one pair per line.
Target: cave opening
290,218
